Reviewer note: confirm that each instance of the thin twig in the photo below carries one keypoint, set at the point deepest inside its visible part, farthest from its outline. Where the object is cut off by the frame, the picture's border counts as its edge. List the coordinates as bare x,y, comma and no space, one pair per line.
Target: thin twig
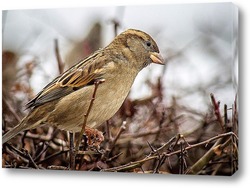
208,156
108,134
141,134
42,151
58,57
114,157
16,150
31,160
53,167
217,111
53,155
13,151
225,116
159,164
130,166
71,151
11,109
122,128
166,144
182,161
112,142
116,25
97,83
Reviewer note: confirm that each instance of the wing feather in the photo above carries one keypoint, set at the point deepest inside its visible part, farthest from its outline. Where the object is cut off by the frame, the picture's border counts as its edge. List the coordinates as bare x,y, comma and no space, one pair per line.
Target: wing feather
80,75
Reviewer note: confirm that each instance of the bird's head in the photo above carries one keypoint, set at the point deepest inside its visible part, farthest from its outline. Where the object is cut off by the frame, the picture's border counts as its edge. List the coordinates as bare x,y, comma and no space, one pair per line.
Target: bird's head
138,47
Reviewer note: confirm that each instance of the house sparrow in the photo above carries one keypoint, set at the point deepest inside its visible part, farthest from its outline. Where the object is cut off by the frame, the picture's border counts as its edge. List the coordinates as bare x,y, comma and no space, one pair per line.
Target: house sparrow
65,100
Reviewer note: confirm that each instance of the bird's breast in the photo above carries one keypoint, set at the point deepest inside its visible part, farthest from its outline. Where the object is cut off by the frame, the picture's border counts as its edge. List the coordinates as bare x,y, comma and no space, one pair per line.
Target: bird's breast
70,111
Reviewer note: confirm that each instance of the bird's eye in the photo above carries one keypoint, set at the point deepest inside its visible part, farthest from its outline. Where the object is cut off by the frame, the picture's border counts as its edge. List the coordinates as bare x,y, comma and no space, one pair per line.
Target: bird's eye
148,43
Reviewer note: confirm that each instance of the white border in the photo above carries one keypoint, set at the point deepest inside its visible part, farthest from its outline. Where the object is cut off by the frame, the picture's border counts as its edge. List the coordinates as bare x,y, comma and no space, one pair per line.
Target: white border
60,179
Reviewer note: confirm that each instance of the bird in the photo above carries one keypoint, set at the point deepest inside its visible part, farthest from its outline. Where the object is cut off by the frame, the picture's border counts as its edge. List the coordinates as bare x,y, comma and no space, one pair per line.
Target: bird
65,100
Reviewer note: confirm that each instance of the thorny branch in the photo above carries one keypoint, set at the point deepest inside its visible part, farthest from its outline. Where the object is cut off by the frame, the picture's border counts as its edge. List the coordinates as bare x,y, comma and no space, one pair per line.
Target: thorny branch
155,154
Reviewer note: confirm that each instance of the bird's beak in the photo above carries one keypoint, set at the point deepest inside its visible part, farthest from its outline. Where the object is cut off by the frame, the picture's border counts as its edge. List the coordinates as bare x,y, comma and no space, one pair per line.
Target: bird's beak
157,58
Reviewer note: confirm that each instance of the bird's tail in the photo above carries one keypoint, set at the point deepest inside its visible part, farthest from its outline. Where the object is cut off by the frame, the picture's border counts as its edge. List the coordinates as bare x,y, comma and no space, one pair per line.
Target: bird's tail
14,131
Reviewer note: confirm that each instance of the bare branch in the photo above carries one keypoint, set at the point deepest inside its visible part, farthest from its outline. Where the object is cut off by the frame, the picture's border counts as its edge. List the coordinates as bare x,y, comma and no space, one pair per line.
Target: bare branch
58,57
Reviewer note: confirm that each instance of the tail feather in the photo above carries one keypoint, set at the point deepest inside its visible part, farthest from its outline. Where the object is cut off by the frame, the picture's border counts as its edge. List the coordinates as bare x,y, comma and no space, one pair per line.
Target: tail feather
14,131
34,119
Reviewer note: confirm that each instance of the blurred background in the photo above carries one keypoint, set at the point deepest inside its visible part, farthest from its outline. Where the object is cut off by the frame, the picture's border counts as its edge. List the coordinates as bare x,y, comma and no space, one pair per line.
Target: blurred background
198,42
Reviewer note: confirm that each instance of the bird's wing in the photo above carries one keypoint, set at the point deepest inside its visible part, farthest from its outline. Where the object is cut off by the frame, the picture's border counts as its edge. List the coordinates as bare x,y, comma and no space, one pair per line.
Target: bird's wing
84,73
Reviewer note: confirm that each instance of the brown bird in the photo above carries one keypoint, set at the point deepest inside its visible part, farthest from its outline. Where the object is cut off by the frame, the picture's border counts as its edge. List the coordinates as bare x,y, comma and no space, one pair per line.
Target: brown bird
65,100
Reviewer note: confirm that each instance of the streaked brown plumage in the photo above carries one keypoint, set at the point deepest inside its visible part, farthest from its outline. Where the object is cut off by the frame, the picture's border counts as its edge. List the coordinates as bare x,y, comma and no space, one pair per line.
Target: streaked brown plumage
64,101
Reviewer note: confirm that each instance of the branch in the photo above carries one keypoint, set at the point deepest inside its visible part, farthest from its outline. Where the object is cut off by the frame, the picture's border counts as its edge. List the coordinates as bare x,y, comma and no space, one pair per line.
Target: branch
216,148
129,166
155,153
97,83
217,112
112,141
71,151
11,109
58,57
122,128
206,142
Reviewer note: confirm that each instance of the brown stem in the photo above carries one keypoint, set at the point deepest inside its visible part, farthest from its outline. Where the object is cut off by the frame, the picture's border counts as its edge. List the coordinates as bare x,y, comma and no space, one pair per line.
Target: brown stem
225,116
122,128
87,114
217,111
112,142
53,167
71,153
53,155
31,160
208,156
11,109
58,58
130,166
